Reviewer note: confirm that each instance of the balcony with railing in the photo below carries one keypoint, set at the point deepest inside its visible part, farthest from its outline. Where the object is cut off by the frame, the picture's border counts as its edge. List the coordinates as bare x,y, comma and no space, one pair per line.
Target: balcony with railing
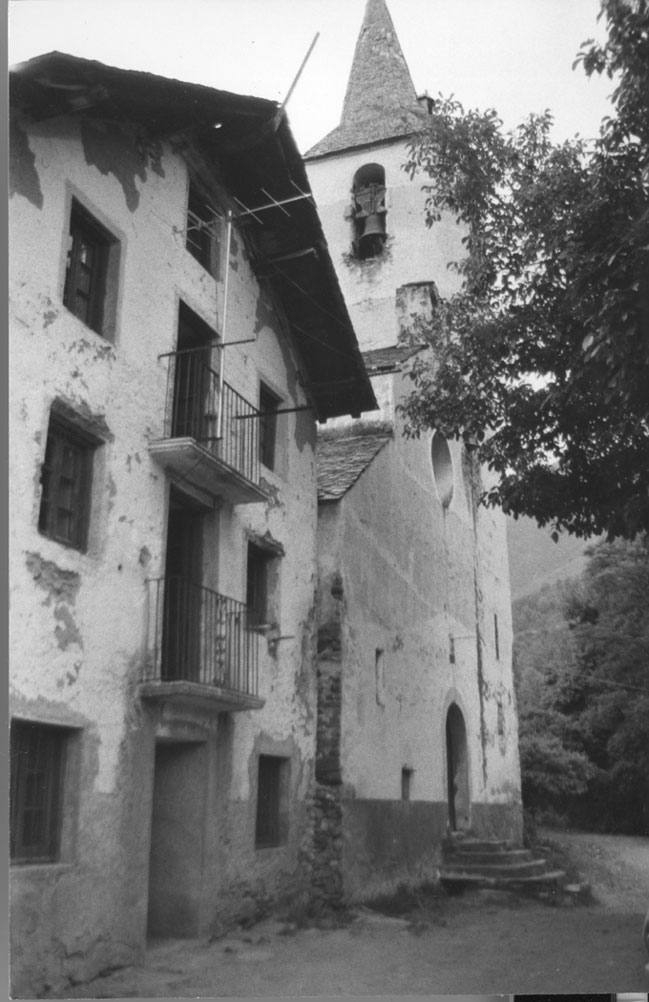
201,651
217,452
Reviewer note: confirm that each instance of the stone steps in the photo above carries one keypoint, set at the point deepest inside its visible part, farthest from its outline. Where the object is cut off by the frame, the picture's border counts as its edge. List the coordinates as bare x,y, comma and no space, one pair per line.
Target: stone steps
514,870
473,862
547,878
505,856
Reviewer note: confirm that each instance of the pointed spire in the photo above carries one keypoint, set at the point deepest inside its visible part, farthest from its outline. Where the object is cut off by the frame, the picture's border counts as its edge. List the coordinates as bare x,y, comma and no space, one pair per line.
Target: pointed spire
381,101
380,80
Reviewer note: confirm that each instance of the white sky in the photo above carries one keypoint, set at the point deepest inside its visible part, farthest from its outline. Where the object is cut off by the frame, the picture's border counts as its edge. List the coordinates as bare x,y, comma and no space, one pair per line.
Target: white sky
513,55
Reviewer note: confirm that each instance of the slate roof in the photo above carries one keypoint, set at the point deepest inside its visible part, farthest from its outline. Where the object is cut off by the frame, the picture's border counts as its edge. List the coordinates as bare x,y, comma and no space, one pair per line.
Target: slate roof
381,360
381,101
341,460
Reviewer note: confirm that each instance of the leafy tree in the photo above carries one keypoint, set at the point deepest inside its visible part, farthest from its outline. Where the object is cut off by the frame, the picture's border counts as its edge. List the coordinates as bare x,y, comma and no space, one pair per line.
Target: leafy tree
541,362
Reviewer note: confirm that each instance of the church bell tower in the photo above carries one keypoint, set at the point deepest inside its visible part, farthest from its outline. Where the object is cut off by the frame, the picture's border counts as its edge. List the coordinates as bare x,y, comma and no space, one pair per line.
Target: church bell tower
389,263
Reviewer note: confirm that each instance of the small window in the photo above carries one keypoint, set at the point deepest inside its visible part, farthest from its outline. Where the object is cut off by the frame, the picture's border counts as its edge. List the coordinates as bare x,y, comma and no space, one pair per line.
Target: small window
496,639
37,762
203,230
406,782
87,269
268,405
379,675
272,802
66,480
258,572
369,211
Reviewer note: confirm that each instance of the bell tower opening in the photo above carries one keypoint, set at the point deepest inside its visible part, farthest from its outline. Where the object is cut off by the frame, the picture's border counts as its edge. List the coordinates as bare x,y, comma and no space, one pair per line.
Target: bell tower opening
369,211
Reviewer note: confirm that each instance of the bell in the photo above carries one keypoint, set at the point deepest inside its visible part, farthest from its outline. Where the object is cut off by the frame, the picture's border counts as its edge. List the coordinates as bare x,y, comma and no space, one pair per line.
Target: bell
374,226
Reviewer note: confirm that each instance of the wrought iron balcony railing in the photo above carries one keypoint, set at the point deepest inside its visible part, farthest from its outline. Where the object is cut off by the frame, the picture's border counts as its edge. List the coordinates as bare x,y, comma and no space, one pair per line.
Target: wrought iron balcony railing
197,635
194,399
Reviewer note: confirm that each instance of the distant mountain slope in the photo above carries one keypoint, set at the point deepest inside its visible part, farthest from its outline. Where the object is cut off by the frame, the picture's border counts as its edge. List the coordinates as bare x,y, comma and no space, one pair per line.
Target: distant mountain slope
536,560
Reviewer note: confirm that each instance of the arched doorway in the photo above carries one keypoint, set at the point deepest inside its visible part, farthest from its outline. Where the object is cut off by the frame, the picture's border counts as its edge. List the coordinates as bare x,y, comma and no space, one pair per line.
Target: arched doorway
457,768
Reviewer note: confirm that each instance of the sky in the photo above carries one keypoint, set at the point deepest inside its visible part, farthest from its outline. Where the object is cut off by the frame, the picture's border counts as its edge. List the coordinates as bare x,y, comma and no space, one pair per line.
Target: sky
512,55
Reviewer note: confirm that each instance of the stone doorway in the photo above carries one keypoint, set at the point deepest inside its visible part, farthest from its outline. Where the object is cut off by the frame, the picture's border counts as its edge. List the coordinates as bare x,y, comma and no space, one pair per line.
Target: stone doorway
175,865
457,767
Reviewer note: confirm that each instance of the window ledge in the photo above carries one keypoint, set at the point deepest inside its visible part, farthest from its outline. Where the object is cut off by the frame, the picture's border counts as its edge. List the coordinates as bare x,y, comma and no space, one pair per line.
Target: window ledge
54,869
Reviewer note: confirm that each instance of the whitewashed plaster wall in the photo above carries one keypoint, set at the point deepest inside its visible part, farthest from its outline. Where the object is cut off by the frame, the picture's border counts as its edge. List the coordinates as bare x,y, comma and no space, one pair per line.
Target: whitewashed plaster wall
78,619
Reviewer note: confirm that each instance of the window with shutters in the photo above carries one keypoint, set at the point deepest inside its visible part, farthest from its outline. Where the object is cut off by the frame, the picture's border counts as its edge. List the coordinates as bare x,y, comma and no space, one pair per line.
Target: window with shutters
66,481
37,761
91,272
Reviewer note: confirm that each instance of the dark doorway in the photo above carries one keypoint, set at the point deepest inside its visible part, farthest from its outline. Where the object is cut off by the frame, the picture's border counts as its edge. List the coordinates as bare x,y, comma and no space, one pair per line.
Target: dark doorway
175,867
457,767
181,633
195,384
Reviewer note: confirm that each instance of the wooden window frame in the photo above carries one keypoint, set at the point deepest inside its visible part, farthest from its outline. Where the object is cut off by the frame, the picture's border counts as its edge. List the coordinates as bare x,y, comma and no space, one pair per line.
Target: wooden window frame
271,827
38,757
55,480
268,405
88,305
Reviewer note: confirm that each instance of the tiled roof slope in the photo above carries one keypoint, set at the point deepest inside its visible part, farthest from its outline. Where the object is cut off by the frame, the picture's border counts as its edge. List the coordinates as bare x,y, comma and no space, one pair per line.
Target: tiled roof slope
381,102
341,460
388,359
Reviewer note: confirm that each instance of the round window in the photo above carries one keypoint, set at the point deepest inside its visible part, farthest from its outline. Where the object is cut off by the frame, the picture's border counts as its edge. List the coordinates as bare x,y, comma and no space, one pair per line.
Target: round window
442,468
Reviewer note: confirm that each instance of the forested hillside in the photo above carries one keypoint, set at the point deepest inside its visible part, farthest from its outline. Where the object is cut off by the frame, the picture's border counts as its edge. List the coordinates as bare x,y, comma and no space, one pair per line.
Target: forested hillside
536,560
581,665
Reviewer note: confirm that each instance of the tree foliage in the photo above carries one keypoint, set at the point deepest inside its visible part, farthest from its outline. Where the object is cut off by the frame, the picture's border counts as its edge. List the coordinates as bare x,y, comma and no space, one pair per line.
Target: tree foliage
541,361
582,678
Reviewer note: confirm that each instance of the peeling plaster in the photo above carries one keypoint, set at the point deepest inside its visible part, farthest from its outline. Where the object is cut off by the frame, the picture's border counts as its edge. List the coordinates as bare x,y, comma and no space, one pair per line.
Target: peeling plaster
109,148
23,175
79,414
234,251
59,584
274,492
68,633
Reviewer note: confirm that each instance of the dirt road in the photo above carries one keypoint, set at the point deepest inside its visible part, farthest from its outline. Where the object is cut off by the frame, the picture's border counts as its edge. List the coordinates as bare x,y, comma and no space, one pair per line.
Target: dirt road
616,867
479,943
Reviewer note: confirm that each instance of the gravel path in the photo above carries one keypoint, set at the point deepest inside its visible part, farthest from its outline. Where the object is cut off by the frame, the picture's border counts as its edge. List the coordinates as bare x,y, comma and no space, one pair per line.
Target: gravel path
479,943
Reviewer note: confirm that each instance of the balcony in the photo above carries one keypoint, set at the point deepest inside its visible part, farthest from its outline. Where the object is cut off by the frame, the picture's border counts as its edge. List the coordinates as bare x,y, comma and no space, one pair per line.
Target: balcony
200,651
217,456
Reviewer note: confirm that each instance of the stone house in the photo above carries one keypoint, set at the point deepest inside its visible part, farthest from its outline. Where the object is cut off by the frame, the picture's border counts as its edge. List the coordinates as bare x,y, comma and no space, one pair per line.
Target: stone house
417,726
176,334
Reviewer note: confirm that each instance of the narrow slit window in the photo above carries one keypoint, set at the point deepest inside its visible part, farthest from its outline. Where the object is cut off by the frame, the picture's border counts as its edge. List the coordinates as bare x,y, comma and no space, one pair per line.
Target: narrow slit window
379,675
